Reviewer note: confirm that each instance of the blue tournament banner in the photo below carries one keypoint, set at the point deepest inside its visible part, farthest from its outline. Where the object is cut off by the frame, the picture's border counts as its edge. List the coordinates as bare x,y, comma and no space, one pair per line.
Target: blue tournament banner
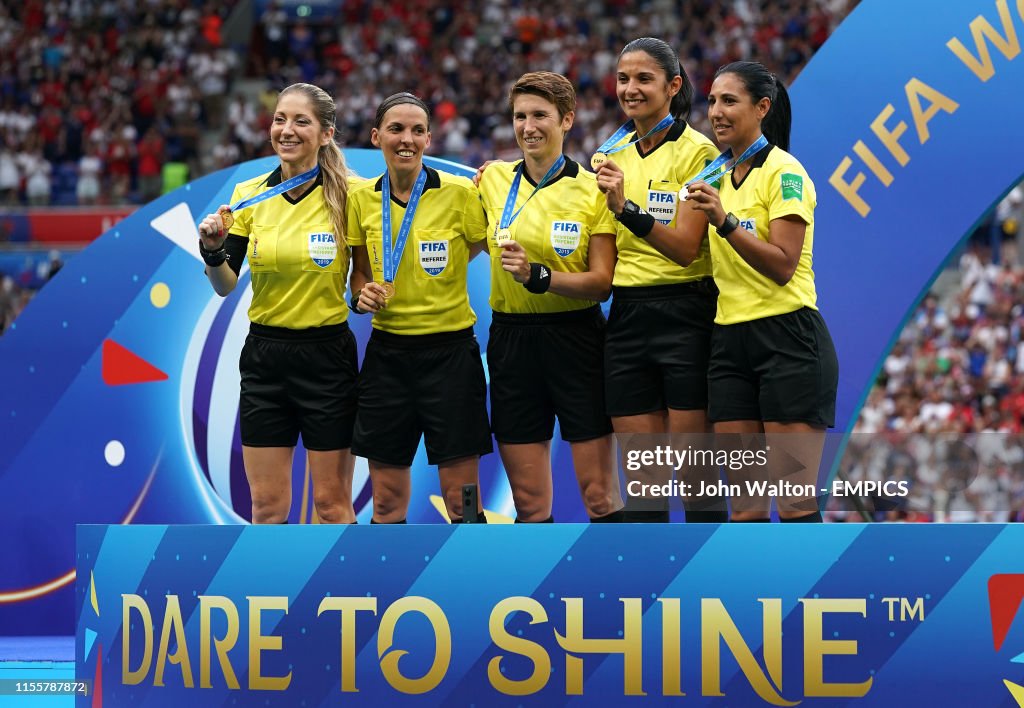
908,121
865,615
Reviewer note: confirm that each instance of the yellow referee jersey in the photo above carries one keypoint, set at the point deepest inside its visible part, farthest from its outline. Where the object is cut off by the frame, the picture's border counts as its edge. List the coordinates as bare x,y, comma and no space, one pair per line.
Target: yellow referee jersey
776,186
554,228
430,283
298,264
653,180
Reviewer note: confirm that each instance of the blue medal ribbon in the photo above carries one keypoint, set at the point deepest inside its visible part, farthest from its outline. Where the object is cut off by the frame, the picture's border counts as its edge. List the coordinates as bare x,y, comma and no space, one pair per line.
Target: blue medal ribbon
720,161
393,253
609,145
281,188
507,216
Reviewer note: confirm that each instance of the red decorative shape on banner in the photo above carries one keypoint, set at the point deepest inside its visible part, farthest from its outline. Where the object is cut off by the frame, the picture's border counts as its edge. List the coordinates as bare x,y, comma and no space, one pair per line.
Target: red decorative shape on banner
97,682
1005,595
122,366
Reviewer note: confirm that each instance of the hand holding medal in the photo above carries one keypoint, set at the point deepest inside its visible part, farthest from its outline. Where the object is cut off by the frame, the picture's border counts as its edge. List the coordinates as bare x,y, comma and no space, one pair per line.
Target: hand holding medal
213,230
373,297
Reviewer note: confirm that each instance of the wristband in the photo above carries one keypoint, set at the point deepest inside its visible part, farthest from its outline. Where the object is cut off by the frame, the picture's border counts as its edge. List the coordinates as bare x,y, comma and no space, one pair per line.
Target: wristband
638,221
540,279
353,303
212,258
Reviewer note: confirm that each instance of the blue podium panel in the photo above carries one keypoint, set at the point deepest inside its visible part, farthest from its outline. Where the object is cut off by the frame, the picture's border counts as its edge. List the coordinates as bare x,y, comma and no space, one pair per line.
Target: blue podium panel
564,615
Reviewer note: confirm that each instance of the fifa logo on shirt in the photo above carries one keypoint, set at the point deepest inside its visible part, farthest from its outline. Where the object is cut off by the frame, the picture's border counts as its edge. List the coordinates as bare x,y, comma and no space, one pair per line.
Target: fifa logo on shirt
323,248
433,256
661,205
750,225
565,236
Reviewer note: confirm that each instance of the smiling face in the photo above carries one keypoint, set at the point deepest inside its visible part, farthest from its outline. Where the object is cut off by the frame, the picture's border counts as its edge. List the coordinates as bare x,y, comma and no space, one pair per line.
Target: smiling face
734,115
539,129
296,133
644,91
403,136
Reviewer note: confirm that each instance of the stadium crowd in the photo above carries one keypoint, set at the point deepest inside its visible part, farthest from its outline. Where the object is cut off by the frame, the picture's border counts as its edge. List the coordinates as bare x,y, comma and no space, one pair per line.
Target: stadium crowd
947,411
103,102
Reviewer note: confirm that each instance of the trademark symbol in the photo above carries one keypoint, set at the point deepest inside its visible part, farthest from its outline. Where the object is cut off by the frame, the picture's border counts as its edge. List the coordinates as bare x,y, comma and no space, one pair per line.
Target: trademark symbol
905,609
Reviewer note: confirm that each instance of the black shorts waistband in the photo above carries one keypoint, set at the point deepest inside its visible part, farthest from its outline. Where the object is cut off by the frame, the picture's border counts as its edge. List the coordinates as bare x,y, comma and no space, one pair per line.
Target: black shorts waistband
516,319
704,286
418,341
310,334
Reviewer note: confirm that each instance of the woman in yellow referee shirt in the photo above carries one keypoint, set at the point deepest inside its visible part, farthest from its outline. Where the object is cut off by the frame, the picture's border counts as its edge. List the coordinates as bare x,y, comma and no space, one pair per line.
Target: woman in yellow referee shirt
552,256
298,366
773,365
659,327
413,232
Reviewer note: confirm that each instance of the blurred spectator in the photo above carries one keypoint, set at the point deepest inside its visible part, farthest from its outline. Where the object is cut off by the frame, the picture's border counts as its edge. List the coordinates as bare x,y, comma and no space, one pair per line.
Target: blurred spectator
37,170
151,163
10,175
90,168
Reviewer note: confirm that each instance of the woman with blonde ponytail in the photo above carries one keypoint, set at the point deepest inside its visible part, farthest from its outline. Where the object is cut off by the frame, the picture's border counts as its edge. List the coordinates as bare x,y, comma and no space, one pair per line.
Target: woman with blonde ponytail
298,366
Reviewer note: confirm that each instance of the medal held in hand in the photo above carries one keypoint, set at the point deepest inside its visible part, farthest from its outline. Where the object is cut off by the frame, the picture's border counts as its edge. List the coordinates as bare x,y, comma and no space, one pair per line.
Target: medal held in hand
226,217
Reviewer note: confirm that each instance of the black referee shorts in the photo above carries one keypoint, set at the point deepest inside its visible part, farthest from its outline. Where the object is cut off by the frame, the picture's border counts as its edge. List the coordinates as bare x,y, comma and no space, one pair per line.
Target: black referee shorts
658,346
428,384
543,366
298,382
780,369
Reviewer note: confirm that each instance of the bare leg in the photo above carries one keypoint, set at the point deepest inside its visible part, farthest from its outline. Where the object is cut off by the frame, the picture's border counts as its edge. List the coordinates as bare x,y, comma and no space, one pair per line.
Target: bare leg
594,461
735,434
391,489
331,471
453,475
803,444
528,467
692,428
269,471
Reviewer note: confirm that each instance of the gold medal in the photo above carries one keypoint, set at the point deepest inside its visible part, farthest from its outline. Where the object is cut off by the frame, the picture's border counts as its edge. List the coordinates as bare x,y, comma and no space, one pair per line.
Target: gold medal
226,217
502,235
389,290
597,160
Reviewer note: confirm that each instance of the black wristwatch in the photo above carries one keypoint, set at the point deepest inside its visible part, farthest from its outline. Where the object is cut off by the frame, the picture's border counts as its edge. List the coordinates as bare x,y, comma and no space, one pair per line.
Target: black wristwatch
630,208
728,226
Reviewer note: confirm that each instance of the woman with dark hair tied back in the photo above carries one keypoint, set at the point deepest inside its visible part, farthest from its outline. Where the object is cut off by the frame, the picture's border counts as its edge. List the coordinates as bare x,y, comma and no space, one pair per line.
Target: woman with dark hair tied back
298,366
413,232
773,367
659,328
